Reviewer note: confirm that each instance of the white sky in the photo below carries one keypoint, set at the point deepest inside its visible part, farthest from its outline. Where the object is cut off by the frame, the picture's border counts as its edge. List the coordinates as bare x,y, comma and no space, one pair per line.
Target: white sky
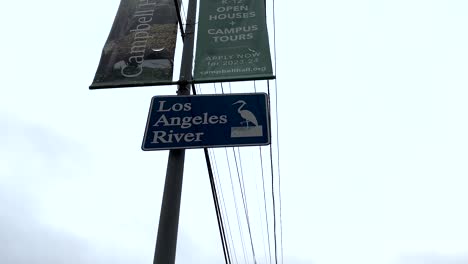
373,137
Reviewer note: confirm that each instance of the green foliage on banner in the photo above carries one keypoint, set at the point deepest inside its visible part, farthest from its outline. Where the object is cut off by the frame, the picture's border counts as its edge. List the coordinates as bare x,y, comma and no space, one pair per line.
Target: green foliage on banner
141,45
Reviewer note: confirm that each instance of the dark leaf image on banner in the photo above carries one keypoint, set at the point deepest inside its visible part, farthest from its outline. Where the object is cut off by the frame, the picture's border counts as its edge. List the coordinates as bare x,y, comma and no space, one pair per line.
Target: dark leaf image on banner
141,45
232,42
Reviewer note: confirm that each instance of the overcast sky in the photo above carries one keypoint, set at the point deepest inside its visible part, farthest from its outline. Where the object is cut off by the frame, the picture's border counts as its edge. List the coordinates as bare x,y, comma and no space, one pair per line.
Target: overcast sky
372,100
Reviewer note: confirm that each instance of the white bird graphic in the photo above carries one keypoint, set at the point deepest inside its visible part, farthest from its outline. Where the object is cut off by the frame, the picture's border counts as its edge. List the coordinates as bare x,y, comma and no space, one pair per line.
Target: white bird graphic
246,114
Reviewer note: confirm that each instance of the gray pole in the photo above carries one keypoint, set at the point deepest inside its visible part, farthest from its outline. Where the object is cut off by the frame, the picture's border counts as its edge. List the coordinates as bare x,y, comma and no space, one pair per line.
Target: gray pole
166,242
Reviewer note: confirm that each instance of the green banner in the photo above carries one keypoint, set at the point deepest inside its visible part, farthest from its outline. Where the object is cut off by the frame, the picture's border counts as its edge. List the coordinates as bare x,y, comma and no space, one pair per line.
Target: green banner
141,45
232,41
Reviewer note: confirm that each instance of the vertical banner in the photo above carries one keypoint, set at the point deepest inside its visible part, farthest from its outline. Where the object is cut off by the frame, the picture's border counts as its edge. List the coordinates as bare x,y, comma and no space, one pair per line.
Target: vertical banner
232,41
141,45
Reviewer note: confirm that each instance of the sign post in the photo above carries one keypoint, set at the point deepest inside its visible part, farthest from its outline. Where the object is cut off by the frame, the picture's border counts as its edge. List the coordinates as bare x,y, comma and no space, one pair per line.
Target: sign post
166,241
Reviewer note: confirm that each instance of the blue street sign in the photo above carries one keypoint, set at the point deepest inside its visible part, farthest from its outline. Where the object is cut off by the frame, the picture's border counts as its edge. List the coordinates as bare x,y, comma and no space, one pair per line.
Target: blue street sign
199,121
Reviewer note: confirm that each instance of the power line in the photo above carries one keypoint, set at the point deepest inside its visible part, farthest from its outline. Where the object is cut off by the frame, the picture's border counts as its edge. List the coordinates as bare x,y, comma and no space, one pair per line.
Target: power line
219,217
237,210
273,188
265,204
258,203
217,209
274,205
229,233
243,196
264,194
279,172
242,188
177,4
260,215
277,132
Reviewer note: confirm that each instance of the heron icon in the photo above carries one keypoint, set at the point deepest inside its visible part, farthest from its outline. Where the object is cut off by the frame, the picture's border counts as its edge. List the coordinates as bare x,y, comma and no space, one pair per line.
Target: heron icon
246,114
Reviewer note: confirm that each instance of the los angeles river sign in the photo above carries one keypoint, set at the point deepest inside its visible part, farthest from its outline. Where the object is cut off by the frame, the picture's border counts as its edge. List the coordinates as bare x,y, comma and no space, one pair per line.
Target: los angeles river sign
207,121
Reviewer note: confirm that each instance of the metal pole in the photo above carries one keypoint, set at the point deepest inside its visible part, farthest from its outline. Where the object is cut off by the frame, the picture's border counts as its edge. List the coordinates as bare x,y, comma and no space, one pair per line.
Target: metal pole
166,241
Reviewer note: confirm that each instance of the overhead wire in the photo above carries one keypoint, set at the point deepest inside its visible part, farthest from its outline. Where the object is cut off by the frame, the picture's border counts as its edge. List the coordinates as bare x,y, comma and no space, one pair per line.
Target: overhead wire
219,216
230,246
229,233
258,203
246,211
264,193
178,4
278,153
265,205
207,158
227,256
221,226
242,188
243,192
273,191
277,131
237,210
183,9
248,224
261,223
218,185
241,185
